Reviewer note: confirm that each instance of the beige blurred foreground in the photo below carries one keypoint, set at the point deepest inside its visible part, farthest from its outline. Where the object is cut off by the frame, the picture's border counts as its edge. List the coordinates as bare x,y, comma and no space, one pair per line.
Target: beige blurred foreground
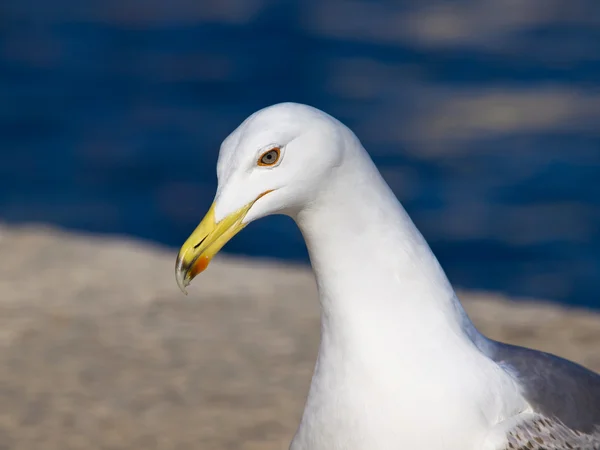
100,350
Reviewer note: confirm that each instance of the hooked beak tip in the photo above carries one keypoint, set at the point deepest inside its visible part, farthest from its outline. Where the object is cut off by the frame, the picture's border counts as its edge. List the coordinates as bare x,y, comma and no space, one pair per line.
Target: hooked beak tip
185,272
181,275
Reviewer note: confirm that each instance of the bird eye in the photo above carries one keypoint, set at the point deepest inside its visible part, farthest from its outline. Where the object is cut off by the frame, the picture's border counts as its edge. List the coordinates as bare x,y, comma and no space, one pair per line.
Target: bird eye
269,157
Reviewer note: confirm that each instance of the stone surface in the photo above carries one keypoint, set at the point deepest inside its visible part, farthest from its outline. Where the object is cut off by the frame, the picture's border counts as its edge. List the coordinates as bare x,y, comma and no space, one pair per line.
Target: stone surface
99,349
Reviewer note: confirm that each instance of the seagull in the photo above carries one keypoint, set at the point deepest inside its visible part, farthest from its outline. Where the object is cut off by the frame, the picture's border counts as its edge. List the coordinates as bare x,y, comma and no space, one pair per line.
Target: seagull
400,364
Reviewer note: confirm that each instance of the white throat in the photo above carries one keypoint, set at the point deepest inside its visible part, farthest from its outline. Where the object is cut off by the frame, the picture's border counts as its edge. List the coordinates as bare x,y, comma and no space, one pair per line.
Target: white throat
395,340
372,264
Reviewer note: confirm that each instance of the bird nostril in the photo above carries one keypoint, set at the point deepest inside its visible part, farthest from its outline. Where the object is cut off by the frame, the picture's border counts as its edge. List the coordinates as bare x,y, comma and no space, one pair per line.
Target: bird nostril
200,243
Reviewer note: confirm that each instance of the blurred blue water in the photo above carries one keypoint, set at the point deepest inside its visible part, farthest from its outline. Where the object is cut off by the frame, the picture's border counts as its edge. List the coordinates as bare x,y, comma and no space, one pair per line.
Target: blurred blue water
484,120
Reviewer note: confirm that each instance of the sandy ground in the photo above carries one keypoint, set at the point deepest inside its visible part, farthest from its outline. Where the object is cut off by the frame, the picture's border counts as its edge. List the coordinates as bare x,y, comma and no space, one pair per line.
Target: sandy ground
99,349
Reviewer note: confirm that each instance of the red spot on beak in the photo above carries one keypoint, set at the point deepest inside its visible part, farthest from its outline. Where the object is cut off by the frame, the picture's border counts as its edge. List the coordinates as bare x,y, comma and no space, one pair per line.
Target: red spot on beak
199,266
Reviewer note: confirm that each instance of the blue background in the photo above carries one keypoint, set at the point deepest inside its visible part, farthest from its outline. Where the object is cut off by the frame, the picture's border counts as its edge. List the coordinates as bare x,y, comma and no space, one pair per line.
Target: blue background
484,117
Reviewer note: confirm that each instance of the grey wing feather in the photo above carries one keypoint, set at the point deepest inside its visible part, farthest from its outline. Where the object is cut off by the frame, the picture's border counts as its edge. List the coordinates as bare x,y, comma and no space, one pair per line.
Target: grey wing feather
564,397
536,432
557,389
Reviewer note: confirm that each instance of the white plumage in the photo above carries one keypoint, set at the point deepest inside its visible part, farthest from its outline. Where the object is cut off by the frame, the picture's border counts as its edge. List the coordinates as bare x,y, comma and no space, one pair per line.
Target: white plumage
400,365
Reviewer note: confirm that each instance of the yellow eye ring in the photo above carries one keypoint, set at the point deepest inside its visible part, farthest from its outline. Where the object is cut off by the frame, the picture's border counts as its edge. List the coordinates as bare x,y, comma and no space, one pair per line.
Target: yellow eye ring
270,157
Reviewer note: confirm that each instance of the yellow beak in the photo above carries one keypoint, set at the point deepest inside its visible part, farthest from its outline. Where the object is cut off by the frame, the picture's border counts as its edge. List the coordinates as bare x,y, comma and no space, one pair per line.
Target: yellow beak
206,241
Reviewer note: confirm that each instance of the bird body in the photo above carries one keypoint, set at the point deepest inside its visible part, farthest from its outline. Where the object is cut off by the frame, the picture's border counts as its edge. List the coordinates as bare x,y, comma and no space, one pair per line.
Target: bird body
400,364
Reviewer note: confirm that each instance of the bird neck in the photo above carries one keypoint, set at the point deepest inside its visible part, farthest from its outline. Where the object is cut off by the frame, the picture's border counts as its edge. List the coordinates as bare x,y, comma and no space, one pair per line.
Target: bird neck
378,280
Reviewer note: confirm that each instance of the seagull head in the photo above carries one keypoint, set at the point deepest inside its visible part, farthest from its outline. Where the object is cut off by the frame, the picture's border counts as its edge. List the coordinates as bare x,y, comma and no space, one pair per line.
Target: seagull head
275,162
